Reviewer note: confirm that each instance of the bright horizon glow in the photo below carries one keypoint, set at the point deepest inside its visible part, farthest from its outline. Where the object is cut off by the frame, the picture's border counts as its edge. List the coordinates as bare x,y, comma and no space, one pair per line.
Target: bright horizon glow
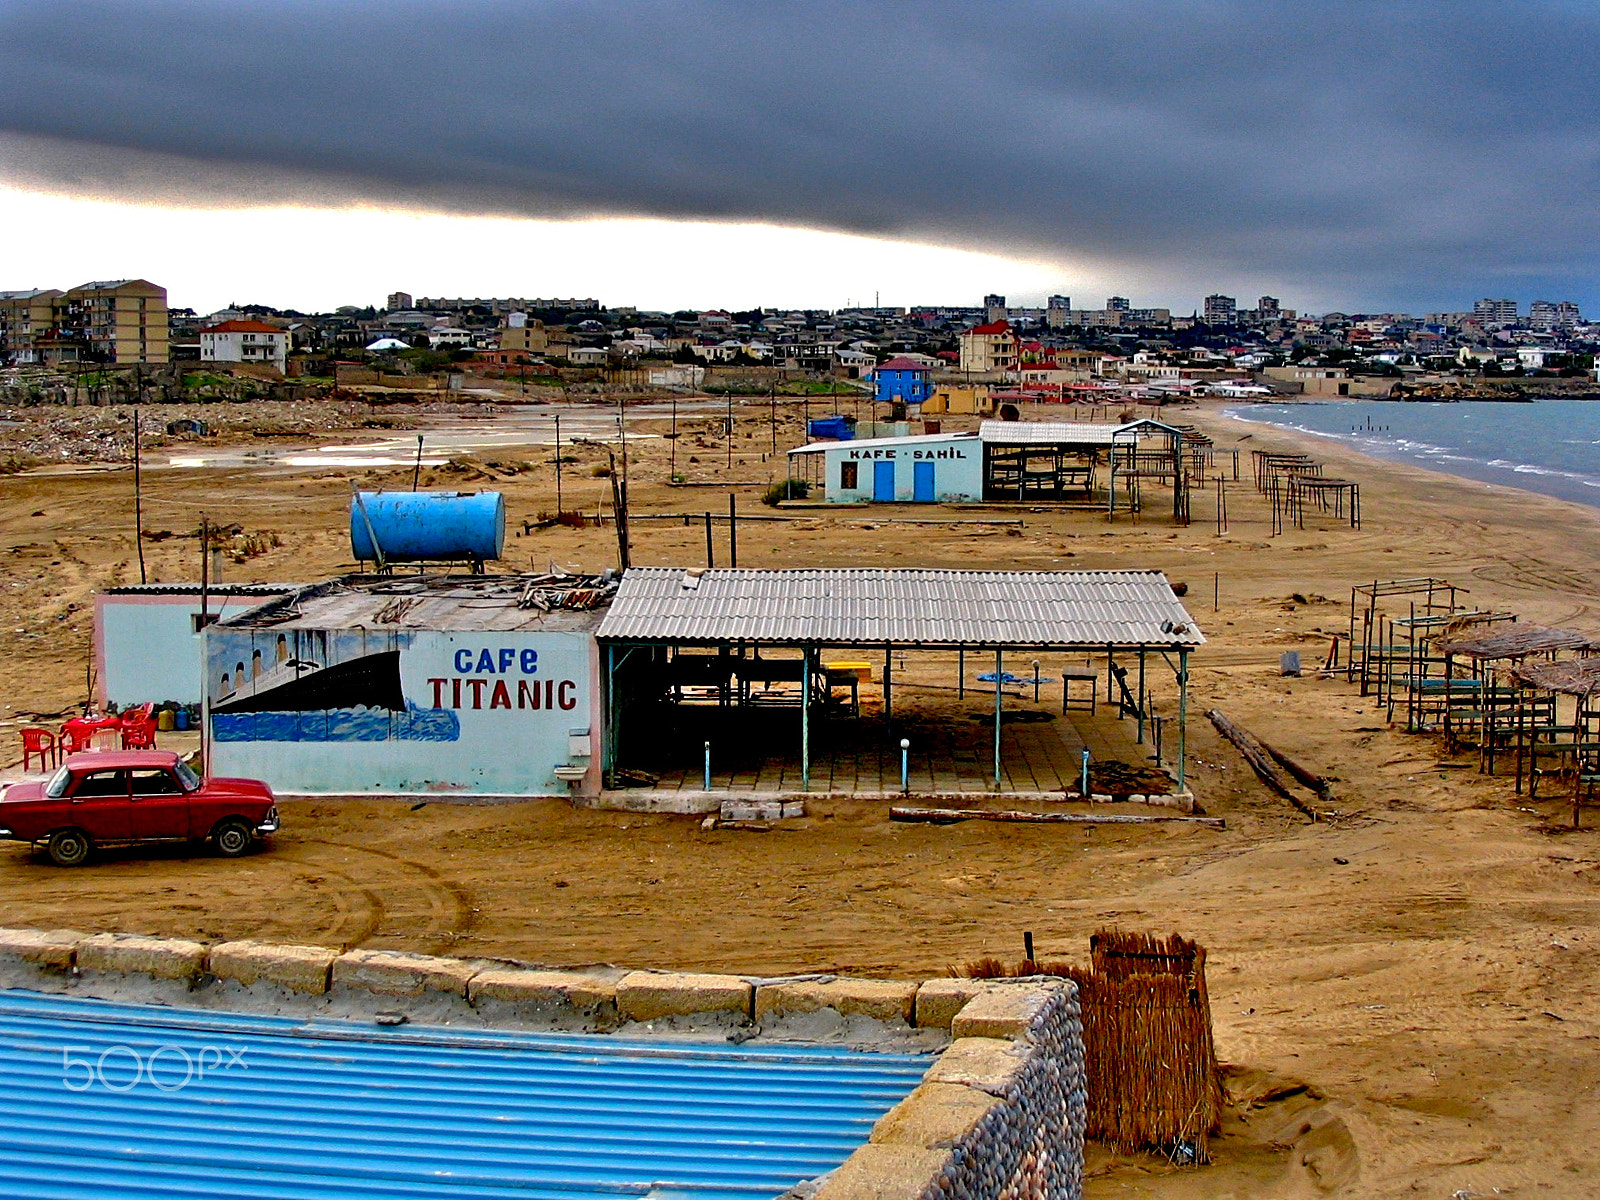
315,260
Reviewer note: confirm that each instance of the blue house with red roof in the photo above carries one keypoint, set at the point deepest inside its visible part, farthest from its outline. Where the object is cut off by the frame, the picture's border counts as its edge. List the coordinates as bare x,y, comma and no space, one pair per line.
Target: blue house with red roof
902,379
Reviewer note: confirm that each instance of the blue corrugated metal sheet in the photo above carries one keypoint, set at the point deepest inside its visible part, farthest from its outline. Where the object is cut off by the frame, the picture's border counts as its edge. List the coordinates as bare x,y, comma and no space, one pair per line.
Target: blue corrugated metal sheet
347,1109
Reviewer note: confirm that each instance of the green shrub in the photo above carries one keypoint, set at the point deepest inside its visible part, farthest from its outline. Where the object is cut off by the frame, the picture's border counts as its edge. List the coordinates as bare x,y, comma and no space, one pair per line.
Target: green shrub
788,489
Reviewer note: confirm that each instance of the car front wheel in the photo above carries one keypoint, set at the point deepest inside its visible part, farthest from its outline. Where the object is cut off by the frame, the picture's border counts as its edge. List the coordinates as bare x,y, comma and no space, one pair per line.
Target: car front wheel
232,837
69,847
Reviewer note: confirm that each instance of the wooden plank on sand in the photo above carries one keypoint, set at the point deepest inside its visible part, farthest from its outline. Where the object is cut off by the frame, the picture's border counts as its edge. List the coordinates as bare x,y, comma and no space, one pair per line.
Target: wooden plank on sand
946,816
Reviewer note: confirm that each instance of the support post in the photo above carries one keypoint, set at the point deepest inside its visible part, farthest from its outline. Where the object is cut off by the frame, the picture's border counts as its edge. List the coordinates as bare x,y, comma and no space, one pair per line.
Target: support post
1141,695
888,686
999,685
961,673
611,708
710,556
733,532
1183,716
805,718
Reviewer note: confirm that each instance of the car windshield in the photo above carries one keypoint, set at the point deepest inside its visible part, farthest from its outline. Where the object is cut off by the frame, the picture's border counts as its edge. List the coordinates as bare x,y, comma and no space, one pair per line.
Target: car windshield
57,787
186,774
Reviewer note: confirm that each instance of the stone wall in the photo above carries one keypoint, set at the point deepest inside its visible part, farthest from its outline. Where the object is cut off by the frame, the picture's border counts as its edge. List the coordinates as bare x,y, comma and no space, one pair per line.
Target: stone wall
1000,1116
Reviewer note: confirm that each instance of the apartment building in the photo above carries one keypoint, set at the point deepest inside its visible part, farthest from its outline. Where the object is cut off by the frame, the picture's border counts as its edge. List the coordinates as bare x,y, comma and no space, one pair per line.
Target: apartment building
1495,312
25,318
991,347
117,321
1554,314
1220,310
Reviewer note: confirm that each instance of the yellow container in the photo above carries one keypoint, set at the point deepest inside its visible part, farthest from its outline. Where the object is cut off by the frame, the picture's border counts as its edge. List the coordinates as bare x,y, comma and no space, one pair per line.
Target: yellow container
164,720
861,670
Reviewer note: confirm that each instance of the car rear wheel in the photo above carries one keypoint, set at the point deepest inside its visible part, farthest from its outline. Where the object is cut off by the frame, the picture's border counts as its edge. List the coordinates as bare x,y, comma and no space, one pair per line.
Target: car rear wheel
69,847
233,838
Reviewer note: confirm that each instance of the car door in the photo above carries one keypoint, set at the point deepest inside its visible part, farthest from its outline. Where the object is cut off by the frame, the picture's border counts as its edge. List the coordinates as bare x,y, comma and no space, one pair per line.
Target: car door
160,806
98,804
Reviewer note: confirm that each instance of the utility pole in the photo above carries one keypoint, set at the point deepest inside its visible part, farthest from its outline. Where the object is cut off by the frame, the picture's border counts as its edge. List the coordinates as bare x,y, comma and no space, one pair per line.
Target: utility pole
672,471
138,495
558,465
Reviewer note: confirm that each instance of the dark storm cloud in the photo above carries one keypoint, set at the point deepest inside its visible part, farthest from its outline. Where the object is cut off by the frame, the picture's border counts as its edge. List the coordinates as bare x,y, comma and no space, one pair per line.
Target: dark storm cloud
1422,153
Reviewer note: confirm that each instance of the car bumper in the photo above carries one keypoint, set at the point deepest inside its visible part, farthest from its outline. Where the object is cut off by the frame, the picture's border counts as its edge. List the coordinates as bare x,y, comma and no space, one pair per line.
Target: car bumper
269,823
6,833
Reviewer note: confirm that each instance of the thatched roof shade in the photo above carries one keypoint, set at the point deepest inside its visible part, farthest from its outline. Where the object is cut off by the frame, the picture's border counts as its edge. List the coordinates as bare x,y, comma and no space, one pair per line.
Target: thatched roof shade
1519,641
1575,677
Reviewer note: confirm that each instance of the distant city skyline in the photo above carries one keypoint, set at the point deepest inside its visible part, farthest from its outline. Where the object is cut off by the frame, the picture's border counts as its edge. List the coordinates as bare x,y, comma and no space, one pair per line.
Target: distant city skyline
1411,158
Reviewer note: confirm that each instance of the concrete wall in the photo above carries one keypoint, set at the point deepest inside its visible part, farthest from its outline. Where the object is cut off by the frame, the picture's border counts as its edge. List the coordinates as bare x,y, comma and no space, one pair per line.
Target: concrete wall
146,646
956,462
483,713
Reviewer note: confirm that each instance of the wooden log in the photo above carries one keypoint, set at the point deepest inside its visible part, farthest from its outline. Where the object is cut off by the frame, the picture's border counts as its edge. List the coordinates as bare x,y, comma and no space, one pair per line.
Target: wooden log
1260,761
947,816
1305,775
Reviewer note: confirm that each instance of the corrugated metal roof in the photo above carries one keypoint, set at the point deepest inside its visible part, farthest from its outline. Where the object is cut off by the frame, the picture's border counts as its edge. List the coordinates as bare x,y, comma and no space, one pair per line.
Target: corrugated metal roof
1052,433
913,439
348,1109
871,606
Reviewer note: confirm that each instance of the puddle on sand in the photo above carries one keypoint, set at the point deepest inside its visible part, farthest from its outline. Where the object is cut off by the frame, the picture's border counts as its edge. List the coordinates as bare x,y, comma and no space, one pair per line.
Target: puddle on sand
504,433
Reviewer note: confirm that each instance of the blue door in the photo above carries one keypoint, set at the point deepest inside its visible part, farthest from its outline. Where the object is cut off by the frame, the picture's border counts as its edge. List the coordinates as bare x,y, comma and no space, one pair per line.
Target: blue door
883,481
922,482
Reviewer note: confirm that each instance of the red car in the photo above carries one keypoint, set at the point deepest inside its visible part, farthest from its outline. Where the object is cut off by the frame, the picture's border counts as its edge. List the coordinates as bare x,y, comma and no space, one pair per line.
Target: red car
103,797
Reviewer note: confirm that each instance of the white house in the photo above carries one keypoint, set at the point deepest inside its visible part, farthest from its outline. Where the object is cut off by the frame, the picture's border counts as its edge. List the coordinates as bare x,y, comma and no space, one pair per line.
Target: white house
245,341
447,337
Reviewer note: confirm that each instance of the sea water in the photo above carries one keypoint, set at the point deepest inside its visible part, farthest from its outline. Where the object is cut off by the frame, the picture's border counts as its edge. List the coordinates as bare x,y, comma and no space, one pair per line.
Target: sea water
1548,446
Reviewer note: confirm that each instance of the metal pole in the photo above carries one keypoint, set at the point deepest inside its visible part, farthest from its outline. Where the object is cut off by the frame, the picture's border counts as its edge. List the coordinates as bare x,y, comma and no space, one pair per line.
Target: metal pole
708,766
709,557
805,720
611,707
999,678
905,765
733,533
558,464
1141,695
961,673
1083,779
1183,714
138,497
672,471
416,471
1036,681
888,686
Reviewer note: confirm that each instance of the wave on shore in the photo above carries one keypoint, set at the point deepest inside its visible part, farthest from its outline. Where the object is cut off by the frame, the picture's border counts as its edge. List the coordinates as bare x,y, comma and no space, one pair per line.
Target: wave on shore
1546,447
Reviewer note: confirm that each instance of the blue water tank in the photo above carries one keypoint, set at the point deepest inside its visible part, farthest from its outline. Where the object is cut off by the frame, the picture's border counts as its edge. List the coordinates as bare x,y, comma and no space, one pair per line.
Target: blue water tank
838,428
414,526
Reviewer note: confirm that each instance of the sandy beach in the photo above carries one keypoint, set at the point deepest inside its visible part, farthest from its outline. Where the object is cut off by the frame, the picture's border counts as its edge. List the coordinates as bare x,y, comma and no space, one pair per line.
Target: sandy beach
1406,995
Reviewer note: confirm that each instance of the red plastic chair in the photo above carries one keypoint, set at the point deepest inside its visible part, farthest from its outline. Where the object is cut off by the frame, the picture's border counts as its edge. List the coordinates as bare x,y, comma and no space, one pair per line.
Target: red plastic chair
139,735
74,739
40,742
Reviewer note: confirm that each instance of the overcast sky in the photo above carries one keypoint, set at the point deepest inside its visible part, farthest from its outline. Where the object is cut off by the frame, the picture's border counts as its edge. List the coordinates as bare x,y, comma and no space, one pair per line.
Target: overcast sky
1358,156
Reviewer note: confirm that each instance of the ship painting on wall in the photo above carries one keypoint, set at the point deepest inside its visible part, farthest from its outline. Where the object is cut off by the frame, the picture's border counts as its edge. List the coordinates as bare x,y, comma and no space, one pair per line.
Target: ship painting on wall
312,685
